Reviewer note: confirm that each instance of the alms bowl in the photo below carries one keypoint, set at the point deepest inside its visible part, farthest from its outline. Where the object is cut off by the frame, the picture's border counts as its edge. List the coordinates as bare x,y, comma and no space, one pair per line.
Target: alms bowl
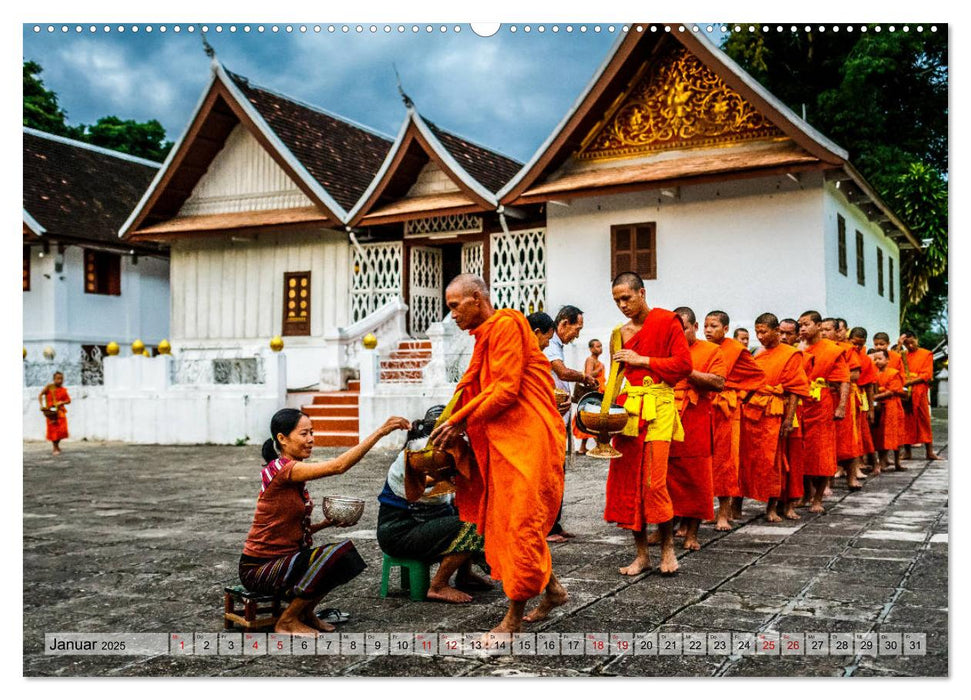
342,510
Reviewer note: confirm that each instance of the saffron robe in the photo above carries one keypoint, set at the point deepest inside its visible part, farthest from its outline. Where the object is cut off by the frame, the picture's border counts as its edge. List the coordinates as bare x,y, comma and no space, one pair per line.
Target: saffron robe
762,464
519,439
825,364
56,427
744,375
848,441
689,463
637,491
868,376
921,364
794,488
889,431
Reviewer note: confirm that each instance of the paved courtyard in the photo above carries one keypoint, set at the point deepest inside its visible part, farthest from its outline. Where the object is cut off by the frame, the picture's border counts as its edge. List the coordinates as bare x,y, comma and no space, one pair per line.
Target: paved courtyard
137,538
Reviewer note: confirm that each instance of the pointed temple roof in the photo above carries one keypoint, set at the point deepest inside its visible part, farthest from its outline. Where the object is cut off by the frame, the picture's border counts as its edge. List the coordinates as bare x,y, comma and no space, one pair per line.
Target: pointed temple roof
76,191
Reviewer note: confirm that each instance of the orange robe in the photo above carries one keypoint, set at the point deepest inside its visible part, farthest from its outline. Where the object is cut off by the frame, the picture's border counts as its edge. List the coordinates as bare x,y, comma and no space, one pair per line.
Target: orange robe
868,376
689,463
637,491
921,364
890,429
794,489
744,375
762,464
601,385
848,441
824,362
519,439
56,427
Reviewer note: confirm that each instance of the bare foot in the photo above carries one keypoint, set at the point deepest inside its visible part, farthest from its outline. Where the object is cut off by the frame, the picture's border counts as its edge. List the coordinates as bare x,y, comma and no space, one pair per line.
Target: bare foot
447,594
827,492
801,503
554,597
791,514
853,485
900,468
680,532
294,627
817,508
692,543
773,517
932,456
555,538
654,537
722,524
55,453
311,620
638,566
669,562
568,535
473,582
840,473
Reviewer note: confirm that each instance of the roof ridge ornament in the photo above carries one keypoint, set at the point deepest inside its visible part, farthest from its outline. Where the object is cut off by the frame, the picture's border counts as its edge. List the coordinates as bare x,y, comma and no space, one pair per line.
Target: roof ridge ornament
404,98
207,47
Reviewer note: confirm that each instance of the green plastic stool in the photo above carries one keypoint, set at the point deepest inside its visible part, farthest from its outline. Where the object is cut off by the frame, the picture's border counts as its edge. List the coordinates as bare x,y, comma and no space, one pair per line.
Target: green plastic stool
414,576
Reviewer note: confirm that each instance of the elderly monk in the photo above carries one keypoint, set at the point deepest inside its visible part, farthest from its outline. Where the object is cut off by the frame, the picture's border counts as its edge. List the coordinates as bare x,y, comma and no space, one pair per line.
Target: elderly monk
768,418
789,332
829,377
508,410
743,376
689,464
888,433
866,385
919,368
655,357
848,445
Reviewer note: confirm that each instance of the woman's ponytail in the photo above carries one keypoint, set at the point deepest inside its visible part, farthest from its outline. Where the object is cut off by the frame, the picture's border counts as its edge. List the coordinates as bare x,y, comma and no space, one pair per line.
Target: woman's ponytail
269,452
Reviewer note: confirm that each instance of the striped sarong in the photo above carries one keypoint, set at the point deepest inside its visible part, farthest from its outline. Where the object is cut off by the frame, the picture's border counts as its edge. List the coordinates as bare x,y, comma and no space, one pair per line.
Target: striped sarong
307,573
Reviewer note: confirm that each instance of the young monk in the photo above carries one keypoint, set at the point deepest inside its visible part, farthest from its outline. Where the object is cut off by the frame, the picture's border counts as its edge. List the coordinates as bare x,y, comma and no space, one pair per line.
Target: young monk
592,367
829,377
742,336
795,490
508,410
689,464
767,418
889,429
865,388
655,357
743,376
848,445
53,398
789,332
920,367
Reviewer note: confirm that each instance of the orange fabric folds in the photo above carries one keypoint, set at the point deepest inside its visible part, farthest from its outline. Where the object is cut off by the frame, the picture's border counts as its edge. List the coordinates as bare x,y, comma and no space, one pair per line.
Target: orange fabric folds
889,432
57,428
519,440
825,362
921,364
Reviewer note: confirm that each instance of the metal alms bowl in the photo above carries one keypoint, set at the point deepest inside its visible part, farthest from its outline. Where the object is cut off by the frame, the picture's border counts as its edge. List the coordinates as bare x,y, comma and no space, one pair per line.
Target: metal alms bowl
591,420
342,510
429,460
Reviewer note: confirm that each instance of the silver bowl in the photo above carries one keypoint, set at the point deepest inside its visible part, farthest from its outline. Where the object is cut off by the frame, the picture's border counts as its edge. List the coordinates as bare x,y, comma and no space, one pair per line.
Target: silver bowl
342,510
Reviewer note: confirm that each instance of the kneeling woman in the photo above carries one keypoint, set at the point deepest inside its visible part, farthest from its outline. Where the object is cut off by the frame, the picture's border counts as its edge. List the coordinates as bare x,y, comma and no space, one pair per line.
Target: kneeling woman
279,556
429,529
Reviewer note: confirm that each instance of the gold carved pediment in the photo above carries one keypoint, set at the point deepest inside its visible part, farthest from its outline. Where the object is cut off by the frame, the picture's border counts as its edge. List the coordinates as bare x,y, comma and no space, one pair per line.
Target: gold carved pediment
676,102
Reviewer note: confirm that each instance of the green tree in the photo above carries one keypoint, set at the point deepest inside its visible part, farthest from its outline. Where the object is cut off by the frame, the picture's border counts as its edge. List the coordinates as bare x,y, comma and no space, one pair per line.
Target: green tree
142,139
41,110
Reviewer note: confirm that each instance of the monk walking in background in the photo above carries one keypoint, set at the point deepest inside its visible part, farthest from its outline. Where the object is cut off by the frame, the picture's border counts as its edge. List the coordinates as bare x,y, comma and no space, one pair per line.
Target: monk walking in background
889,429
919,366
742,336
508,411
689,462
865,388
768,417
655,357
53,398
595,368
789,332
742,376
848,445
829,390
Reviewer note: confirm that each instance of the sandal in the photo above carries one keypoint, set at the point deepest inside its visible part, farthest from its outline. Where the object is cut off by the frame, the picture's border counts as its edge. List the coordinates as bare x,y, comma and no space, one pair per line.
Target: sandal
333,616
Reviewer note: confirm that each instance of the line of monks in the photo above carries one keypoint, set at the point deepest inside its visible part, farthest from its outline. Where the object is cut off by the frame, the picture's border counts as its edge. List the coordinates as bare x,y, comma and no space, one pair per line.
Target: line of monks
706,419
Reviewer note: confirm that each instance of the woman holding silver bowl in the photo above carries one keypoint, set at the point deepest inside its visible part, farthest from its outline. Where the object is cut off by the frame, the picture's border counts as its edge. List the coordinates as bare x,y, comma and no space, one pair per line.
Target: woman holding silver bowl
279,557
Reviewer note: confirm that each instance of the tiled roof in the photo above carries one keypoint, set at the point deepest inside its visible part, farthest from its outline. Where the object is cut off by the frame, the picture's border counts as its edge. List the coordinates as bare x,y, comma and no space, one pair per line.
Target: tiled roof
341,156
78,191
491,169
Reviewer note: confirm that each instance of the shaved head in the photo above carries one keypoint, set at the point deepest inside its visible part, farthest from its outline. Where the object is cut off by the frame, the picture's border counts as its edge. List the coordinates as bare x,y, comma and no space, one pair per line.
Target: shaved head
686,313
630,279
721,316
467,283
767,319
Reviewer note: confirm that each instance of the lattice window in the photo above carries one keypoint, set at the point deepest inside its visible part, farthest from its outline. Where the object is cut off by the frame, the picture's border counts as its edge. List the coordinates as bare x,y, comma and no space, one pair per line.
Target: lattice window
296,303
453,223
425,288
375,277
518,270
473,262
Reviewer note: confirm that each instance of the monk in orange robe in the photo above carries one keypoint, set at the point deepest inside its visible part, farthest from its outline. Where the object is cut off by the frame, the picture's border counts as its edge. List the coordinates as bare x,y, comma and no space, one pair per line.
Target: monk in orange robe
655,357
848,444
768,418
53,399
889,429
689,463
919,366
795,488
595,368
829,377
508,410
743,376
881,341
866,386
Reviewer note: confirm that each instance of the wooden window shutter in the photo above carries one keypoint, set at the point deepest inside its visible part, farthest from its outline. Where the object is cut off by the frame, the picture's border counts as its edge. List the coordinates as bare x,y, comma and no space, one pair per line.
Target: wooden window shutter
633,248
102,272
841,235
890,277
860,264
296,303
880,271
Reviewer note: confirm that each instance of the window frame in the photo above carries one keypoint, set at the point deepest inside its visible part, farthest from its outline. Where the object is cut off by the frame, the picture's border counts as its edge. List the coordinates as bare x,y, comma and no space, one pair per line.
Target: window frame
301,326
650,227
841,256
98,263
860,259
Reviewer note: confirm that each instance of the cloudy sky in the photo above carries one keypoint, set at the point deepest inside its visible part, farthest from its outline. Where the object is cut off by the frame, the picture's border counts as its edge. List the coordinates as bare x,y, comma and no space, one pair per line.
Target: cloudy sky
507,91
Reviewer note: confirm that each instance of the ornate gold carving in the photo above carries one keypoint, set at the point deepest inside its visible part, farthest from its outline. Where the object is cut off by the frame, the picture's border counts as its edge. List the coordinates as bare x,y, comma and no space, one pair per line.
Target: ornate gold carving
678,102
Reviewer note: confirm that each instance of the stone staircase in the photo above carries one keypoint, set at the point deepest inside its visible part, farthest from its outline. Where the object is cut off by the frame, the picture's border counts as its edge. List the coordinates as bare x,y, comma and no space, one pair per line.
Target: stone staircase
335,414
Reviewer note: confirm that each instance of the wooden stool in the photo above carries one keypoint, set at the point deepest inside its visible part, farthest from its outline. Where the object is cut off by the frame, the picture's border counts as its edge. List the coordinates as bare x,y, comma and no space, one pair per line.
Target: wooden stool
414,576
259,611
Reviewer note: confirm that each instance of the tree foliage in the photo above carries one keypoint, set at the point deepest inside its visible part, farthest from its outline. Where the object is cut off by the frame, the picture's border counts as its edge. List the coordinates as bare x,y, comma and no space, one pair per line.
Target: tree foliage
883,97
43,112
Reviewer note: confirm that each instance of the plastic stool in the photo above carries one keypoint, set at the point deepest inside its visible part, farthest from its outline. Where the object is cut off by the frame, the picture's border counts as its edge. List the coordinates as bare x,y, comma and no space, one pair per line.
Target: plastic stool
414,576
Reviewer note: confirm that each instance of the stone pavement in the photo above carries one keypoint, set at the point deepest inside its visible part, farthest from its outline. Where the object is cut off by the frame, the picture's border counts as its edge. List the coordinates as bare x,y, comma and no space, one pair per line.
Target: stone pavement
129,538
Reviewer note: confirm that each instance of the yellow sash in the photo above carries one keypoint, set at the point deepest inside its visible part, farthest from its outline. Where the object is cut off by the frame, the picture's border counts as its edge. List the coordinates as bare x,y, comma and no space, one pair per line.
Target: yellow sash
816,388
653,403
771,401
864,403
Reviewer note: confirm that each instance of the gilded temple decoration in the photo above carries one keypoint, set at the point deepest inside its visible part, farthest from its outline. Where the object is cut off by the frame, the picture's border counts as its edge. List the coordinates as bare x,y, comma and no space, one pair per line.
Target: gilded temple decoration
677,102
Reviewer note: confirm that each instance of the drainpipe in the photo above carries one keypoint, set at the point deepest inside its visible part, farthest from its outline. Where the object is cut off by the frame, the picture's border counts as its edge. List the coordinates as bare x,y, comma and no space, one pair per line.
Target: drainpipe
354,241
501,211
